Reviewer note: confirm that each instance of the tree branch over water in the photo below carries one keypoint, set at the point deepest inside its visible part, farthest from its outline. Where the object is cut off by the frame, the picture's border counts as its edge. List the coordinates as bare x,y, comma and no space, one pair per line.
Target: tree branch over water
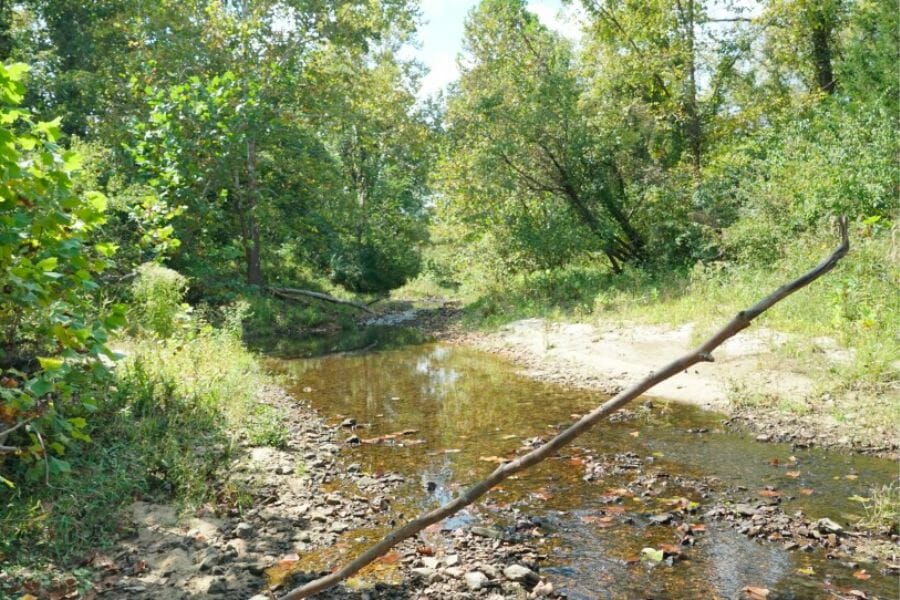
701,354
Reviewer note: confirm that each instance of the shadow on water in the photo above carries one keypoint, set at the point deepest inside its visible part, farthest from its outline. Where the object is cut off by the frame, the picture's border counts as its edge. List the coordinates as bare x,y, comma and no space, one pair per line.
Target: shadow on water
366,339
470,407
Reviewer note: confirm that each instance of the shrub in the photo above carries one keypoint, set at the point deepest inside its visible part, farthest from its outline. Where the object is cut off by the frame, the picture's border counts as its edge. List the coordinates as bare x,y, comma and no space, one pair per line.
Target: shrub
157,299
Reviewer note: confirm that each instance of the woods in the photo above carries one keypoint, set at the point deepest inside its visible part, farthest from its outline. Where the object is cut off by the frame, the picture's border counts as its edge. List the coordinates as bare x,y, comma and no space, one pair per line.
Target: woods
252,175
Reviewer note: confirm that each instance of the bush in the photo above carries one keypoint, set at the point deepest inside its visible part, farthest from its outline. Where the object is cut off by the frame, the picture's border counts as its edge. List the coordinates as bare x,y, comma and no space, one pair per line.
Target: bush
157,299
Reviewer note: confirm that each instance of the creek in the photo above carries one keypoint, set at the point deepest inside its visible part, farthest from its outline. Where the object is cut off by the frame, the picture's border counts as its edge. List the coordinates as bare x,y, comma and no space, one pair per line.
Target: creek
467,408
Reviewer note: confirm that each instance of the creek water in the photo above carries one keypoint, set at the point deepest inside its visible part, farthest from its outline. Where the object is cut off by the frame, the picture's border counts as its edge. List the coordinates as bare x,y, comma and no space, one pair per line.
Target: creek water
469,407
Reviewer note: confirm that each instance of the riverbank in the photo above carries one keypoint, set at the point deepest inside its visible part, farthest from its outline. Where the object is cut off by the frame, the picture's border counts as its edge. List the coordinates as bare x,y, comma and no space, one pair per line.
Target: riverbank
763,380
285,515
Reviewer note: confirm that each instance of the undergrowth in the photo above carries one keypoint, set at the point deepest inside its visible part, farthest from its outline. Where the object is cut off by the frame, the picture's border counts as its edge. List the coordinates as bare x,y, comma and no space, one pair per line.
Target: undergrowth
164,432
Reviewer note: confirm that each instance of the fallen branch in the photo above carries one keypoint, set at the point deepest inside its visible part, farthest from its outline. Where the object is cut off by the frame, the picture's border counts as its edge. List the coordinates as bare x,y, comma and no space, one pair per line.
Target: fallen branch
702,354
290,293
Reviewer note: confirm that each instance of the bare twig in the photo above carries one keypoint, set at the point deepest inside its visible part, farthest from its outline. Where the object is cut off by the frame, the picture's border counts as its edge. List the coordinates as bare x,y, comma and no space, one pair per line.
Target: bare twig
702,354
291,293
3,434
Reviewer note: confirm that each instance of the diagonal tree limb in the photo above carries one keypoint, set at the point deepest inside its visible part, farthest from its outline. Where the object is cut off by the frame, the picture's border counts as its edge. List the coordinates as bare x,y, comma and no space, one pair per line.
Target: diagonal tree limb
702,354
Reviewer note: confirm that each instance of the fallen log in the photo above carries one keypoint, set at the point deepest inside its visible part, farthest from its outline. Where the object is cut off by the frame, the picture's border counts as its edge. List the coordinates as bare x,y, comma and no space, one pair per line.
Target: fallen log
290,293
702,354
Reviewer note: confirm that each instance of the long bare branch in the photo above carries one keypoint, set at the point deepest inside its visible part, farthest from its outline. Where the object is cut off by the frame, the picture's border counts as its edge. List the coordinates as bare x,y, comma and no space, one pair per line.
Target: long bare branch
702,354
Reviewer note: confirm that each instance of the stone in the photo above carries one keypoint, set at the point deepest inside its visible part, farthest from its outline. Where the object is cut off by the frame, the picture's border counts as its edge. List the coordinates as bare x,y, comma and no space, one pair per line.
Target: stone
430,562
475,580
454,572
520,573
339,527
661,519
451,560
244,530
423,572
543,588
829,526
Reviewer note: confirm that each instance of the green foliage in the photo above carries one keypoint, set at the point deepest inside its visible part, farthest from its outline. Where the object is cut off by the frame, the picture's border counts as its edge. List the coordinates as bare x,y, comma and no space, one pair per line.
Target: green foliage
54,333
165,430
157,295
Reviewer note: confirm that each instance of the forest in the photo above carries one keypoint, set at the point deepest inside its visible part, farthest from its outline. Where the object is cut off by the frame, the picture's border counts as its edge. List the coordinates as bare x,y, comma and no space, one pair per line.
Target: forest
265,296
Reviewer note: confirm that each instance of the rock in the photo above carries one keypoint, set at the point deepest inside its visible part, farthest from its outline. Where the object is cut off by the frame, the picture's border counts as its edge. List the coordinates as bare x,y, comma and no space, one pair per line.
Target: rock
244,530
451,560
475,580
454,572
423,572
339,527
430,562
520,573
661,519
488,532
348,422
745,510
543,588
829,526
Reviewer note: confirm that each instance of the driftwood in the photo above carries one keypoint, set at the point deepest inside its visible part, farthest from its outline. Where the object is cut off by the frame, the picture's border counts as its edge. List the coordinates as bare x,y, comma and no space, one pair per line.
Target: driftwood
291,293
702,354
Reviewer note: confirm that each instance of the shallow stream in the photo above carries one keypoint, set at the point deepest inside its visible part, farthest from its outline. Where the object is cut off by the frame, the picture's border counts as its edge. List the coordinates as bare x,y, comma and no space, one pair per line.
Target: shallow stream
468,408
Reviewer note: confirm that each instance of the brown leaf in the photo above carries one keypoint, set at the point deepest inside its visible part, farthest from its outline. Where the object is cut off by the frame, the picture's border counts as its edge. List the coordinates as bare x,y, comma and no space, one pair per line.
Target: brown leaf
390,558
793,474
601,522
670,549
698,527
774,462
769,493
807,491
862,575
755,593
615,510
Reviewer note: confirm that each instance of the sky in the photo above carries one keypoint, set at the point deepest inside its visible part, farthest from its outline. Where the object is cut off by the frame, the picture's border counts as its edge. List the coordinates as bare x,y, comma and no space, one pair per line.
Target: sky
442,32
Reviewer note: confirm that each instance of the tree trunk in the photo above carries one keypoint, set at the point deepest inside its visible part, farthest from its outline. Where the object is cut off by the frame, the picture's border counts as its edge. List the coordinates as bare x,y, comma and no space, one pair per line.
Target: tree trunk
820,39
250,224
702,354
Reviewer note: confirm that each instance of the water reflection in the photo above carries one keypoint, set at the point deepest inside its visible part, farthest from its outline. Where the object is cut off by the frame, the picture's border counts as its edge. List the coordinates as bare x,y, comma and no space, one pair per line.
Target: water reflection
471,407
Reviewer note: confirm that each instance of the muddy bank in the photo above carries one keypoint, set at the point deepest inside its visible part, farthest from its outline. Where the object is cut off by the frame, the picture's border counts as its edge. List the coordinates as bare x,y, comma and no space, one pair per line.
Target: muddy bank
751,381
288,515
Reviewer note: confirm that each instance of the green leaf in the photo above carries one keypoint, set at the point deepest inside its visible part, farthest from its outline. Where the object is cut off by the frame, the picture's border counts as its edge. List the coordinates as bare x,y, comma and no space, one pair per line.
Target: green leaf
48,264
72,160
16,71
652,555
97,200
50,364
7,482
39,387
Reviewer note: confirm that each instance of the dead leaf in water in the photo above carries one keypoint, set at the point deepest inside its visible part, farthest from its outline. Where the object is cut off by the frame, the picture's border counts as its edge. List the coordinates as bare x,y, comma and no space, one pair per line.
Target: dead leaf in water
493,459
635,433
774,462
862,575
851,477
755,593
425,550
601,522
698,528
451,451
807,491
769,493
670,549
390,558
806,571
793,474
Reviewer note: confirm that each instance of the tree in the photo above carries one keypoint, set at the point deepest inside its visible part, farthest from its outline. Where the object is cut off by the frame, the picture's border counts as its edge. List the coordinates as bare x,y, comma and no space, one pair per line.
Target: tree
520,143
54,335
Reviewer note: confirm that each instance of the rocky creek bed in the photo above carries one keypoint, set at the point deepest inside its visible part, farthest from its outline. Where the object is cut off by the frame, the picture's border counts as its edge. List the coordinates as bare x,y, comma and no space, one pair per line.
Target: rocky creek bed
296,528
663,502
